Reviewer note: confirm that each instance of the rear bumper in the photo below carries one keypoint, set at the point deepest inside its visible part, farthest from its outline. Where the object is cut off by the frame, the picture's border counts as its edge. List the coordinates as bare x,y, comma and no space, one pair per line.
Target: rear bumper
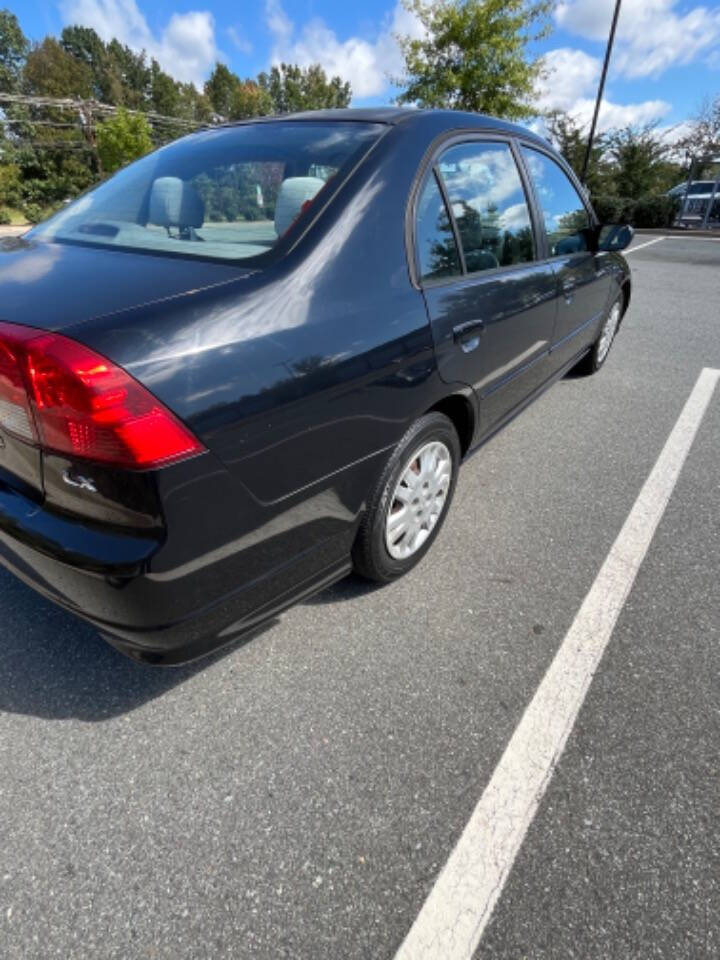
69,540
106,577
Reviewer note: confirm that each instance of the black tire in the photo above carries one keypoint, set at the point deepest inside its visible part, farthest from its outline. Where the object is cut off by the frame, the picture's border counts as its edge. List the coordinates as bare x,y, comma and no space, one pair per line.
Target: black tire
370,554
596,358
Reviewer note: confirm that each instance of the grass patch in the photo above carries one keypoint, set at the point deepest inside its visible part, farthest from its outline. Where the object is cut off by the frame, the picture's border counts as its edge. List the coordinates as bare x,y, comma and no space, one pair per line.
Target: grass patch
13,217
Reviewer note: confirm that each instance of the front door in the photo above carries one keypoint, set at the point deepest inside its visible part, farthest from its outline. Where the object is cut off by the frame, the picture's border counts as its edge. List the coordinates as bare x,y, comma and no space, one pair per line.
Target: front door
491,301
583,277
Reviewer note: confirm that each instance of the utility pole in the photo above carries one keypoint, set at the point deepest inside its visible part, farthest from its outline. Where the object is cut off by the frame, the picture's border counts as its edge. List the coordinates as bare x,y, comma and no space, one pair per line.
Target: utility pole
601,88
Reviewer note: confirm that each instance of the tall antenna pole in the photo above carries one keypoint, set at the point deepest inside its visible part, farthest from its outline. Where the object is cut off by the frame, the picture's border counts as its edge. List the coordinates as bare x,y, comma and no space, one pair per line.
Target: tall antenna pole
601,88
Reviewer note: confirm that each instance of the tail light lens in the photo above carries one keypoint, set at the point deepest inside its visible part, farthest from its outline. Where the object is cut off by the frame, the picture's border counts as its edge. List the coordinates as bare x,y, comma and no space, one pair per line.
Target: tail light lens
61,395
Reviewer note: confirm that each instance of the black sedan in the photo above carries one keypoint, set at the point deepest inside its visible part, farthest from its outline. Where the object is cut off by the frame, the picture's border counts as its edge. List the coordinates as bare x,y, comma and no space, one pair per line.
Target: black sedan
255,359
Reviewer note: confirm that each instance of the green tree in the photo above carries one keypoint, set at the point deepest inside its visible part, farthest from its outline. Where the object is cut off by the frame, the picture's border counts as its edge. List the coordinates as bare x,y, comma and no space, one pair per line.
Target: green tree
250,100
10,186
52,72
640,164
124,78
220,88
234,99
13,50
122,138
165,93
49,146
192,104
292,88
570,138
474,55
130,76
120,76
85,45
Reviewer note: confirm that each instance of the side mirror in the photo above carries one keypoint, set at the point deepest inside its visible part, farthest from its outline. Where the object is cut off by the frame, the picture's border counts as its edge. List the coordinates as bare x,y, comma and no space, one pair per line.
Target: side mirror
613,237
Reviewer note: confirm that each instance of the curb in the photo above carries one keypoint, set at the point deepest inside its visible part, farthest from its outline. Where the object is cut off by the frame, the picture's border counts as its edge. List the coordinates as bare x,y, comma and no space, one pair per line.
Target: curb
10,231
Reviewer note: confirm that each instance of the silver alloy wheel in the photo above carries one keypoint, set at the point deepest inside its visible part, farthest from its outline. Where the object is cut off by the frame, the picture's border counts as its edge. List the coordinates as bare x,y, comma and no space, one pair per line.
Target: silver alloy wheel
418,499
608,332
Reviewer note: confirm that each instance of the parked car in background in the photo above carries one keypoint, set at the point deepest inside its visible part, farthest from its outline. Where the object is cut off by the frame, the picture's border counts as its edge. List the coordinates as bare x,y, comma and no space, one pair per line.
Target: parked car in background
694,200
696,188
255,359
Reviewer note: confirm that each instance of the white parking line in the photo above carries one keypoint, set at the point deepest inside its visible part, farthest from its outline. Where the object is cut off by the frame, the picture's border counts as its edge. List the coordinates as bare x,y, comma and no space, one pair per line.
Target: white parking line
690,236
647,244
456,912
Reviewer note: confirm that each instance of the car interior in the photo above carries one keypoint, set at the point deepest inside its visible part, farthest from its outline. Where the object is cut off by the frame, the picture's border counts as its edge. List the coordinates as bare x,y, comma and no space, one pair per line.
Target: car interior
176,217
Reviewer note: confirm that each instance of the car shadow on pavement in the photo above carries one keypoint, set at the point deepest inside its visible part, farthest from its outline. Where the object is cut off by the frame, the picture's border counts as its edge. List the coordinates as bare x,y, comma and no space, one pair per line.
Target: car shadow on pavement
55,666
349,588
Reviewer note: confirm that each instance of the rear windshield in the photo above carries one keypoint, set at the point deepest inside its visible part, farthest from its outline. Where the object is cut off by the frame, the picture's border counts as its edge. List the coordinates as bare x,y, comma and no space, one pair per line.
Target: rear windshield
228,193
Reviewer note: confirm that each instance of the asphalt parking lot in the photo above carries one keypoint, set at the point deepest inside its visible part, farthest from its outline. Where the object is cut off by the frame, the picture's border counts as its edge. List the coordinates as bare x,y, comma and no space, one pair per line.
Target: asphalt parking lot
298,796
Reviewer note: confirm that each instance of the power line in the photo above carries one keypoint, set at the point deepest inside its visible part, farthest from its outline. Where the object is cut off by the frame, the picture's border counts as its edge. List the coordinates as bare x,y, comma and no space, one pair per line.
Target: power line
78,125
92,107
40,123
54,144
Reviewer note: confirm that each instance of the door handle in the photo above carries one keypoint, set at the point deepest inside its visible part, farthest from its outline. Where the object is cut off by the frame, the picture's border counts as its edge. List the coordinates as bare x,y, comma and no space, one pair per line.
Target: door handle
568,287
468,329
468,334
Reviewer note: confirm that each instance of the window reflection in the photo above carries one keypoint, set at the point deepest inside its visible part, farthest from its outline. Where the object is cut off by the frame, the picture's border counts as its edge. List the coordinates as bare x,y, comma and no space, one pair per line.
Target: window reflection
564,213
437,250
489,204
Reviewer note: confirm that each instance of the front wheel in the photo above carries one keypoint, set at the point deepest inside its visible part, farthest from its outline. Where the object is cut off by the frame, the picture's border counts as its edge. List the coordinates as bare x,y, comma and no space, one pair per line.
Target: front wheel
410,502
601,348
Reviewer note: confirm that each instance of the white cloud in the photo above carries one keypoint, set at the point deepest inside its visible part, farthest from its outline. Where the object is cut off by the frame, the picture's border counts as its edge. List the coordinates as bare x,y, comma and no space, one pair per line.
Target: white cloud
569,75
185,48
651,34
673,132
367,64
614,115
570,84
279,24
239,39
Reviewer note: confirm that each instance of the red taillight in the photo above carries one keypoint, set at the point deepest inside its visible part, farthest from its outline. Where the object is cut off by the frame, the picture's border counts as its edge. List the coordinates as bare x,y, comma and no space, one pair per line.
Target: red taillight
64,396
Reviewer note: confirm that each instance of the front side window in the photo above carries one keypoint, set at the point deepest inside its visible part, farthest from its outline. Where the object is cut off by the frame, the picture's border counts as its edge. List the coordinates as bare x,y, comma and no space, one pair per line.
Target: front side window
488,201
230,193
436,248
564,213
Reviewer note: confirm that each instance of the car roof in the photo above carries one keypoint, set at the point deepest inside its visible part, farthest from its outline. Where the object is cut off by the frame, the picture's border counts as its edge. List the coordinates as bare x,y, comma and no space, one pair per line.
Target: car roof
395,116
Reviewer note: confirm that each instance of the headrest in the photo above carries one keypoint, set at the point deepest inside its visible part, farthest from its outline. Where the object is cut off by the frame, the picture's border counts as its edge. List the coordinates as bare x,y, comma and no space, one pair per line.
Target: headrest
175,203
293,193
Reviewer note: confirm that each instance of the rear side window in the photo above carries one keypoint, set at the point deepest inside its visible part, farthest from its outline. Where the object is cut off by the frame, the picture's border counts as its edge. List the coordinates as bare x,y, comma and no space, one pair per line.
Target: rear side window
563,211
436,248
488,202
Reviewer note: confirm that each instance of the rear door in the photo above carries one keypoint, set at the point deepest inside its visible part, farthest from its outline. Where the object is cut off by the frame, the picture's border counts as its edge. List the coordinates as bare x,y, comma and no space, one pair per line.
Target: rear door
490,298
583,277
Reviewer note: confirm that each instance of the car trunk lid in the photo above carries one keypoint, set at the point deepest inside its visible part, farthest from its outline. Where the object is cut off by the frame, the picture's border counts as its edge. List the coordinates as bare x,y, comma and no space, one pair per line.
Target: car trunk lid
57,285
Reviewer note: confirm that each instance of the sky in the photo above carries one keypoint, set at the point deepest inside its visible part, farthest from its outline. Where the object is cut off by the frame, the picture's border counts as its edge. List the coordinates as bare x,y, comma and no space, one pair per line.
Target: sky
666,57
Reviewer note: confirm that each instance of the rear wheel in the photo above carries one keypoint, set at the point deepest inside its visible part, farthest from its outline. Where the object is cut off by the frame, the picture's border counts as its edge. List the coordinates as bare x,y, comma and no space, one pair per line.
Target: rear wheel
601,348
411,500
